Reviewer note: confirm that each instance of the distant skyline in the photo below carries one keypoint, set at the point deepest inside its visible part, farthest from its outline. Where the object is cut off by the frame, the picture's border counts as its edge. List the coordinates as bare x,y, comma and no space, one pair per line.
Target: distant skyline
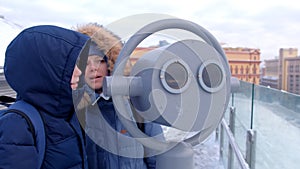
265,25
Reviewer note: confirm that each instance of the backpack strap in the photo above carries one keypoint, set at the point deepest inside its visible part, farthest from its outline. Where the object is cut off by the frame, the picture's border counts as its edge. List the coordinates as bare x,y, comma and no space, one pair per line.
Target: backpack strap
29,112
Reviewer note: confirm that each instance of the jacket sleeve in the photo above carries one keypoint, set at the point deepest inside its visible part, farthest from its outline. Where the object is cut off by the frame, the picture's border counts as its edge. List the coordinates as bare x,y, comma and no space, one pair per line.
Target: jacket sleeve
152,130
17,149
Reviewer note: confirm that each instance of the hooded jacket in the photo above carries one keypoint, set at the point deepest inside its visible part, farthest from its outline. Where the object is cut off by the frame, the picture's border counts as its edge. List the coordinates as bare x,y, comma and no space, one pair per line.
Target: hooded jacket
39,64
109,145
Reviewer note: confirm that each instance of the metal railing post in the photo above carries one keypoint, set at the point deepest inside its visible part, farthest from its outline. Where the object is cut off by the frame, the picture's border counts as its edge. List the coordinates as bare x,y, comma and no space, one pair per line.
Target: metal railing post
251,148
239,156
232,128
232,120
221,141
217,133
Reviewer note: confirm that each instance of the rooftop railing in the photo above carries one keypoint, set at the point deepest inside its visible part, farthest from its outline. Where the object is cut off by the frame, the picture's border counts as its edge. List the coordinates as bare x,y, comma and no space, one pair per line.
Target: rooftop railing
260,129
265,127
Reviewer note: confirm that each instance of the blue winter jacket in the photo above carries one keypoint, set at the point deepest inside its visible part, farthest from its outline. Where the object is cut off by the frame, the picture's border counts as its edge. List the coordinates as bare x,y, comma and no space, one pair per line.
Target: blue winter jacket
110,146
39,64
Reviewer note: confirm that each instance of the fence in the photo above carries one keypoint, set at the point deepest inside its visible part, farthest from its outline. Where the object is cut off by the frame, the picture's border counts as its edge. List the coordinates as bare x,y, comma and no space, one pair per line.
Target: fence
264,124
260,129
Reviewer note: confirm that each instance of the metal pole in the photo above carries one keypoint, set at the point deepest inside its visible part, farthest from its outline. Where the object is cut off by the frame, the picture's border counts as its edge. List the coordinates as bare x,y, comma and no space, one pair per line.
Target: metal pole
178,157
232,120
251,148
232,128
252,106
230,157
235,147
217,133
221,141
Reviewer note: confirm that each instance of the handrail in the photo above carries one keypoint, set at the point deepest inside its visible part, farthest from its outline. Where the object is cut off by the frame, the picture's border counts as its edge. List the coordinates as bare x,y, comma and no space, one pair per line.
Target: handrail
234,146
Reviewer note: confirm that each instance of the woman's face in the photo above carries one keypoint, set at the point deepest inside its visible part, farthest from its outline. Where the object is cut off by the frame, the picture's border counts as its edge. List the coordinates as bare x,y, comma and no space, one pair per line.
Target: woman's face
75,77
96,70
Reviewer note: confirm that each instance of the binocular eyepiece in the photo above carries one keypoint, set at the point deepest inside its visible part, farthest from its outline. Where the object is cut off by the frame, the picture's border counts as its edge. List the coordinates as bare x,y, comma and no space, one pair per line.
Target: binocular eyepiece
180,85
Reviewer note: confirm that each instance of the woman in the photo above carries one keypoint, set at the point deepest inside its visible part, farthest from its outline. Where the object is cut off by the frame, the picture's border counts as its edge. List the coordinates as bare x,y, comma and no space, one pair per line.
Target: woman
108,143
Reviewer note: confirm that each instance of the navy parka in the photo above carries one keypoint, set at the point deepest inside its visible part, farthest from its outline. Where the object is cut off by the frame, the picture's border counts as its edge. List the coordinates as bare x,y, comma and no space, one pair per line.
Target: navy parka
39,64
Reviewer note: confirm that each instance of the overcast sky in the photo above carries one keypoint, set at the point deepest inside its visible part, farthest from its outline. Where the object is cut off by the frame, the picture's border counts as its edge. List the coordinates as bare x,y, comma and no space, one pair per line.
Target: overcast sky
264,24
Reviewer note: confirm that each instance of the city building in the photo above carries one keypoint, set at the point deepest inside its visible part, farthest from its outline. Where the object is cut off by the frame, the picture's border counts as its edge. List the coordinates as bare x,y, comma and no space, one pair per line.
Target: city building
284,55
270,73
292,76
139,52
283,73
244,63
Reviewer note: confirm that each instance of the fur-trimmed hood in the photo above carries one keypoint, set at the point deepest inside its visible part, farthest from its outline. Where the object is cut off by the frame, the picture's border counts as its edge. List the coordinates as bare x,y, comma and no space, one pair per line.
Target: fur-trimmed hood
106,40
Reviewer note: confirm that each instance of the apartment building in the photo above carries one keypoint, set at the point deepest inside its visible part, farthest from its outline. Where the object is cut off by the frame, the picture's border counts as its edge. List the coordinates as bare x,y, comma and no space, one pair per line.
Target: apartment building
283,73
292,76
270,75
244,63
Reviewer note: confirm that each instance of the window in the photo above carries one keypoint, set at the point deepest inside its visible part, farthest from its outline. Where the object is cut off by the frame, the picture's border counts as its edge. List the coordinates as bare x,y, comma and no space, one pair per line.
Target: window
254,69
291,67
297,69
242,70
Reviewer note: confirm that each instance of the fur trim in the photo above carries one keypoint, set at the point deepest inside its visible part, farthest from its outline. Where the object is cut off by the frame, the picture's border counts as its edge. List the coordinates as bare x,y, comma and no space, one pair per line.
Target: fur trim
107,41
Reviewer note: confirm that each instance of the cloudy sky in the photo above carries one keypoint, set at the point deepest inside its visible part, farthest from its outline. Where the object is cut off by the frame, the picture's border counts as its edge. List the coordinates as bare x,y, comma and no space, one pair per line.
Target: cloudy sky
264,24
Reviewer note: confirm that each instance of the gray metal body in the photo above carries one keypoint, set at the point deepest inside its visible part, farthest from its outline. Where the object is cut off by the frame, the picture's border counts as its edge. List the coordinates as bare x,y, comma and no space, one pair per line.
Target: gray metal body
195,102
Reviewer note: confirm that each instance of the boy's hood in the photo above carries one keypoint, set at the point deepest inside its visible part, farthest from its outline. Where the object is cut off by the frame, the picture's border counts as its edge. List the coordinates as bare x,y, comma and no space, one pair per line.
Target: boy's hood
39,64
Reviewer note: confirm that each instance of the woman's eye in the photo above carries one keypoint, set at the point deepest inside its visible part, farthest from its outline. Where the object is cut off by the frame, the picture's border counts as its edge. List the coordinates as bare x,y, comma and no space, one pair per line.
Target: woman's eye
100,61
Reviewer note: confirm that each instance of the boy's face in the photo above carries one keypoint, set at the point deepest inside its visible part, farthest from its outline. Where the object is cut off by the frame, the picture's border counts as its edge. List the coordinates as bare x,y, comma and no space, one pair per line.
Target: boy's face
95,71
75,77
